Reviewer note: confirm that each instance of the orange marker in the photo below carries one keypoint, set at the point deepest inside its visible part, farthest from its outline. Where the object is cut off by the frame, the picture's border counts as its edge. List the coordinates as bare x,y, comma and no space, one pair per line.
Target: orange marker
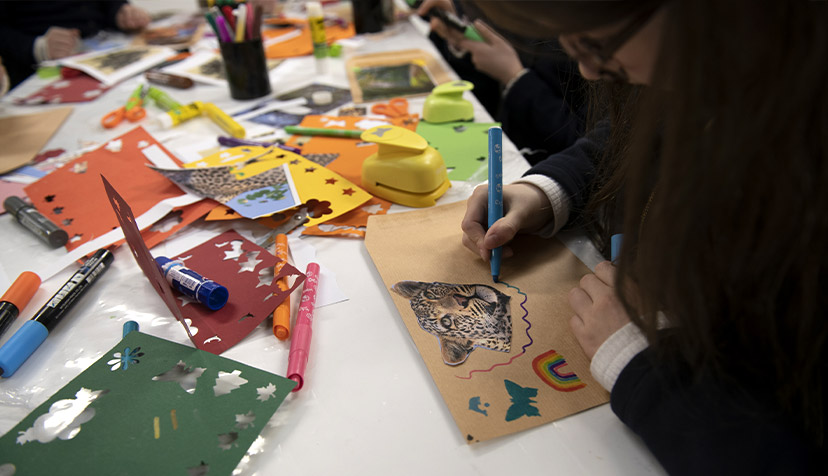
281,316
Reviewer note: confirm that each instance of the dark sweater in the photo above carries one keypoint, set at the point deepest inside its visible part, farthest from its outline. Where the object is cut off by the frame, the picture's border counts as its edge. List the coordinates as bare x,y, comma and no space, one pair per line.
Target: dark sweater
23,21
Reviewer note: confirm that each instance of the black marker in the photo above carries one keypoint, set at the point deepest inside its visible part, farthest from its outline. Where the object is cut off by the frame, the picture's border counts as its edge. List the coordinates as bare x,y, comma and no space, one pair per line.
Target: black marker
29,337
34,221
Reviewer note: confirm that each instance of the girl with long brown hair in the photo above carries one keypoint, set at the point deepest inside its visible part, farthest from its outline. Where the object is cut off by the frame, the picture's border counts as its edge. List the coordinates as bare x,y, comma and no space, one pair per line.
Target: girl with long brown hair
715,170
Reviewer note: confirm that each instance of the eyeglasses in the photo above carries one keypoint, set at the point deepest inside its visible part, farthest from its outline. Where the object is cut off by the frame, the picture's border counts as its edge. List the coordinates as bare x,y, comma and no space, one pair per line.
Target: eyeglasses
597,54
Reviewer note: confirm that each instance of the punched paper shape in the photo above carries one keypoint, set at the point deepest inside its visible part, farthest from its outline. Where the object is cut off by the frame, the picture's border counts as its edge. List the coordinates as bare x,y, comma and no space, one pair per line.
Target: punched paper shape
544,375
74,197
244,268
124,419
312,181
463,145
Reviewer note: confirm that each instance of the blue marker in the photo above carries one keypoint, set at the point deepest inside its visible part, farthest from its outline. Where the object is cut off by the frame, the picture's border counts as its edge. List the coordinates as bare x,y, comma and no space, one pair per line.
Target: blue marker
615,246
129,326
29,337
495,191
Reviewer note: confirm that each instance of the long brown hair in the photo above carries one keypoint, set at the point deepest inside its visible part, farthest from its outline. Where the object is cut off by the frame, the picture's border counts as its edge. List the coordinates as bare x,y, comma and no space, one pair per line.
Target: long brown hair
725,227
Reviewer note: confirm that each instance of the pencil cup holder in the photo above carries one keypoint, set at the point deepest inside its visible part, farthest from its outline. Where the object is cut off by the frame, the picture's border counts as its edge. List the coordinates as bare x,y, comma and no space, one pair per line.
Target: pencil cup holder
246,69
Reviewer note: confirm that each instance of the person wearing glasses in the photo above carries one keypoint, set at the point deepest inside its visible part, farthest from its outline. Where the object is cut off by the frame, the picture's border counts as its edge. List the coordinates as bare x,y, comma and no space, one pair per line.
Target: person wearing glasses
708,329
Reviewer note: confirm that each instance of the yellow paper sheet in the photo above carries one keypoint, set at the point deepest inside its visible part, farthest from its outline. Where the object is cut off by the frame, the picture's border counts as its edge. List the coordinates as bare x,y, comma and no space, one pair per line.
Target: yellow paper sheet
312,181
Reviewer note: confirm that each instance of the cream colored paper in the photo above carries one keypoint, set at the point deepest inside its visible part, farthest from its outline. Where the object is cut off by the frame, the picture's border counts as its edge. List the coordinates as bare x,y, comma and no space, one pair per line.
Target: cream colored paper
426,246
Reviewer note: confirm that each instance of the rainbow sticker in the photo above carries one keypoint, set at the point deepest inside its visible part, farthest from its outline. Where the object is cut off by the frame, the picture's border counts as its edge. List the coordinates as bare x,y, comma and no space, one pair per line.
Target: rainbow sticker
549,366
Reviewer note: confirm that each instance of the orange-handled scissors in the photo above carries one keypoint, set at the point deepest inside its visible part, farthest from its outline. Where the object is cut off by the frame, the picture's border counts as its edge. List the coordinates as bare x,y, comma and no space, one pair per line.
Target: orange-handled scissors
396,107
133,110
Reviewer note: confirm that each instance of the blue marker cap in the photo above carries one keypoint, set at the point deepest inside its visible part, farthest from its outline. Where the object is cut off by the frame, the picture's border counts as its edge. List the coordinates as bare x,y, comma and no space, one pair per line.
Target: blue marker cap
130,326
20,346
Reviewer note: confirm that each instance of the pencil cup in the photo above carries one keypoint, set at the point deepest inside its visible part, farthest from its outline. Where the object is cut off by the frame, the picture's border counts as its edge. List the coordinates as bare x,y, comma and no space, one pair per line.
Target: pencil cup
246,68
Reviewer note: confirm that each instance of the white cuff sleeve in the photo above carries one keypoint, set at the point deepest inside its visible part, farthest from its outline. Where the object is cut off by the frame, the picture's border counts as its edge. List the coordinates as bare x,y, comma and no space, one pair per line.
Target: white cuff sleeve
557,197
615,353
513,81
41,52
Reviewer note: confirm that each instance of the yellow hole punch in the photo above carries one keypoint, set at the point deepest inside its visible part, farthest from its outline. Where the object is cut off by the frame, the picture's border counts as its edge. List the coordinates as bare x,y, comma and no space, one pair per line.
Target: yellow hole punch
405,169
446,103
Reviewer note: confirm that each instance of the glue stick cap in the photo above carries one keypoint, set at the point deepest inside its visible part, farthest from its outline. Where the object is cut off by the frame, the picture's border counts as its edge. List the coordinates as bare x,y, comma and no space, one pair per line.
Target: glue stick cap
164,120
22,289
213,295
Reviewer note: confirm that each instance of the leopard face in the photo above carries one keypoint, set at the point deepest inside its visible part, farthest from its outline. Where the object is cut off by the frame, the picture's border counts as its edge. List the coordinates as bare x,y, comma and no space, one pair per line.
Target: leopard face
461,316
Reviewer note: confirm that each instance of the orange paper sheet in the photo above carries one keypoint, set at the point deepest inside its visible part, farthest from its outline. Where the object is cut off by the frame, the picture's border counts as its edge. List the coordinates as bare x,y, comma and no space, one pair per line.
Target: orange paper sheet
300,45
74,198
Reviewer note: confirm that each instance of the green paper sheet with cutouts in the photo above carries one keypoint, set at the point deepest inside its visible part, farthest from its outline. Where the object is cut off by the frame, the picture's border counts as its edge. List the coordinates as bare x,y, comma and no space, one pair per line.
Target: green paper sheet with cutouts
463,145
148,406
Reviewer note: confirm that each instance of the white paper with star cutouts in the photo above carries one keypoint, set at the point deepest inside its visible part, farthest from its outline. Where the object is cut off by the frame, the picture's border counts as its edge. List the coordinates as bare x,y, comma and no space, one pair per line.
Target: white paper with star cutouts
147,406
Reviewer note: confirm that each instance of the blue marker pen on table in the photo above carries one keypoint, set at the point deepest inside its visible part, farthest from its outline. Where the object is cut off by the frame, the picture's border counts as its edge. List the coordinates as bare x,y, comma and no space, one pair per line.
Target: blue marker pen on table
29,337
495,191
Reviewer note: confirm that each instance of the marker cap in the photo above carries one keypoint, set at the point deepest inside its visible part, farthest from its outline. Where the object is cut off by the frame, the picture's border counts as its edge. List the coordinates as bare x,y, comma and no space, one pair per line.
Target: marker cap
22,289
20,346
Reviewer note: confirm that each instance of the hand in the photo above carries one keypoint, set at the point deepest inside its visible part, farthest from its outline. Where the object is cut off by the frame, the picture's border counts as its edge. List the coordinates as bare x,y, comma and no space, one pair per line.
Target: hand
452,37
4,79
131,18
495,57
525,208
598,311
61,42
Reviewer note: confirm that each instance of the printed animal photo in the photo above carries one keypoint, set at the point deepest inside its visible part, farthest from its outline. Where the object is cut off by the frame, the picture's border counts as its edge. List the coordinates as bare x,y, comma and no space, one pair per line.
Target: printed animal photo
461,316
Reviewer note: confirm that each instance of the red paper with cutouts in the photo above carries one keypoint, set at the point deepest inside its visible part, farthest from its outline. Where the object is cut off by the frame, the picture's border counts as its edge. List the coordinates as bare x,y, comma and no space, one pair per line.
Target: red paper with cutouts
244,268
299,44
74,199
81,88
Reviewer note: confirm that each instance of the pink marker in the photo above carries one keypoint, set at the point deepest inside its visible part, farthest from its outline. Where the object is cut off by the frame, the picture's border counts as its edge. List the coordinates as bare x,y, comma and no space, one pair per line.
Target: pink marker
302,331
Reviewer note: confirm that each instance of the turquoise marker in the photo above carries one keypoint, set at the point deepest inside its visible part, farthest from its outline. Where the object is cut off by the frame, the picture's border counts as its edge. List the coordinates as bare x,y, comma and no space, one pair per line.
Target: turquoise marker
129,326
495,191
615,246
317,131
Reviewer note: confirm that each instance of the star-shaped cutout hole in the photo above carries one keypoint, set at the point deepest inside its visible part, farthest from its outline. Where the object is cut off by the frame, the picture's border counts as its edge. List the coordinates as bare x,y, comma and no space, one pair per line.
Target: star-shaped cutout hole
380,131
348,191
310,169
330,181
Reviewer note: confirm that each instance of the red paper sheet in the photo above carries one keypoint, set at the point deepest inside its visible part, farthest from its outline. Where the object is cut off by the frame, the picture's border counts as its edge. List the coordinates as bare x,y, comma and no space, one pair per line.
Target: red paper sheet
73,197
244,268
81,88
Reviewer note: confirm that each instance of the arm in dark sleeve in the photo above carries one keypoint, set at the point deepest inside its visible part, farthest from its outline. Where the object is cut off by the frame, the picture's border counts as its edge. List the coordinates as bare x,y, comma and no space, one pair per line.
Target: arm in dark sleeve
110,13
574,167
693,426
536,115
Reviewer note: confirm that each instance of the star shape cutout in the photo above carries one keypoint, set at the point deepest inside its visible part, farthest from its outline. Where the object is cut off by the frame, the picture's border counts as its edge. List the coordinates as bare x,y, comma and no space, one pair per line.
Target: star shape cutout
295,162
348,191
380,131
330,181
310,169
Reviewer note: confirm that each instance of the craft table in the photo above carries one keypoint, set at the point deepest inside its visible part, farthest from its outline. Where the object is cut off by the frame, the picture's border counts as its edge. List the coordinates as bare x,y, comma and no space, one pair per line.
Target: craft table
369,405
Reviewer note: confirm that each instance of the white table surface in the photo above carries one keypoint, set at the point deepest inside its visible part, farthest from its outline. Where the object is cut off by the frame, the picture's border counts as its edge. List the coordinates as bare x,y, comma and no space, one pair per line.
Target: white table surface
369,405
